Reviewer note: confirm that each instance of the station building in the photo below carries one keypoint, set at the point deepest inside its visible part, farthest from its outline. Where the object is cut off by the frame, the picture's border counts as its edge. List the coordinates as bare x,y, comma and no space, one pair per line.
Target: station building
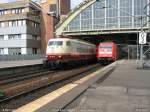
120,21
106,17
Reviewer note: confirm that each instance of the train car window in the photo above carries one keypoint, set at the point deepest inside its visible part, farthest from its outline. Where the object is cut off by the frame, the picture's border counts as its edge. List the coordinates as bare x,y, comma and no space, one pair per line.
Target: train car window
55,43
68,43
51,43
59,43
106,47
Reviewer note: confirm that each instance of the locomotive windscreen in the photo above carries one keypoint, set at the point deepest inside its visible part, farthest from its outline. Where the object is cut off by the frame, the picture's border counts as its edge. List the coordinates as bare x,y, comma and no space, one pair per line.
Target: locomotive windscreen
106,47
55,43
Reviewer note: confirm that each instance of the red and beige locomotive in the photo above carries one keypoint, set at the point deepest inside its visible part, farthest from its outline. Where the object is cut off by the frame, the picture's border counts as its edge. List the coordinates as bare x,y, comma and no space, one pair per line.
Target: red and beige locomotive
66,51
106,52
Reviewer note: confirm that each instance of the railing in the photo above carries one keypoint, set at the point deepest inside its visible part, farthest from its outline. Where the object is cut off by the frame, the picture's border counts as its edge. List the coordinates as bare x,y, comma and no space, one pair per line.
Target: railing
20,57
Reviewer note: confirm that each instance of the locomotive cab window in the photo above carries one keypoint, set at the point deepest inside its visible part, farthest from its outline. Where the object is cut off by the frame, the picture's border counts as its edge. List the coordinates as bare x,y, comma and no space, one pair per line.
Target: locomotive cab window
106,47
55,43
68,43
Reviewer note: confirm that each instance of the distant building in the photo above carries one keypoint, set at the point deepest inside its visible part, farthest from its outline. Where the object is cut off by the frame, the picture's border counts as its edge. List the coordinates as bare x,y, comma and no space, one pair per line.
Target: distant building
52,10
20,31
58,7
26,26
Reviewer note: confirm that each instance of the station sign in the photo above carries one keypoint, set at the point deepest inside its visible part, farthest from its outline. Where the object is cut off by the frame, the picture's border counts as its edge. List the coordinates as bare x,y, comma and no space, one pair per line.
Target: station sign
142,37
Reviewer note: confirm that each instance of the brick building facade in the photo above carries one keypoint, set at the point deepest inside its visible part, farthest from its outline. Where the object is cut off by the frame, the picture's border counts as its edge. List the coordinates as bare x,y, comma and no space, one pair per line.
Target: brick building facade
52,10
59,7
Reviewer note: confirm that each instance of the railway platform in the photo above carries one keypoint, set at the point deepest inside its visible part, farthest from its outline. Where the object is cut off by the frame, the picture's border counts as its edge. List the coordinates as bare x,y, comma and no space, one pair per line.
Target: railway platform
119,87
11,64
127,89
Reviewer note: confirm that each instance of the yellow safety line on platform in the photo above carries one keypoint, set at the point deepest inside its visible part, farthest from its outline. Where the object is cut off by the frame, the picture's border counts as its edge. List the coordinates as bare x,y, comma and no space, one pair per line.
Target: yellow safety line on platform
35,105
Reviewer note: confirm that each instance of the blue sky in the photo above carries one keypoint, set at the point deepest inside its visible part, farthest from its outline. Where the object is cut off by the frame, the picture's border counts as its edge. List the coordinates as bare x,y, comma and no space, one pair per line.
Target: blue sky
73,2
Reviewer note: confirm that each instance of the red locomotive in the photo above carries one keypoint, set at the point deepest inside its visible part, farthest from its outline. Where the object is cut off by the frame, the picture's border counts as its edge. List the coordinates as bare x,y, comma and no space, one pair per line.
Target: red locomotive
106,52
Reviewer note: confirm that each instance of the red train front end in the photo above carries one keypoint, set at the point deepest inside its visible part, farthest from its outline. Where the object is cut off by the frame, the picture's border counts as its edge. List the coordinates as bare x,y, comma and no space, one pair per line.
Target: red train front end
106,52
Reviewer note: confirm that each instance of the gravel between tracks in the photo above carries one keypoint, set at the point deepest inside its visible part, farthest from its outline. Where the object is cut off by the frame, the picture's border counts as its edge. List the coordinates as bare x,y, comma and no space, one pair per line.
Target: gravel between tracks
24,99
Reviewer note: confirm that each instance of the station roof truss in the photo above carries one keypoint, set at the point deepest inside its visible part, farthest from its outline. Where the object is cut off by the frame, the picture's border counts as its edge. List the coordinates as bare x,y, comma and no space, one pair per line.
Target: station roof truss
94,17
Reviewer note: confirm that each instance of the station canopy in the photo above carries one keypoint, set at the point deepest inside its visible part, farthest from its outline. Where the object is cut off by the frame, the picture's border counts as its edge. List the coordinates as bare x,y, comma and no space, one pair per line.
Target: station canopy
106,16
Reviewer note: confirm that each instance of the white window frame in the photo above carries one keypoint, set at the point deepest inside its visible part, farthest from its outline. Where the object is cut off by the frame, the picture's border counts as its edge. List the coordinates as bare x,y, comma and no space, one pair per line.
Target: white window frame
1,37
5,12
2,24
14,36
19,22
23,22
23,10
1,51
14,23
10,23
2,12
13,11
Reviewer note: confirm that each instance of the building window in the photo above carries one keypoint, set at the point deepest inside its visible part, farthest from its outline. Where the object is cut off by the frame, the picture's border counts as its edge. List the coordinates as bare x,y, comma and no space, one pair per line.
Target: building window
35,37
2,12
1,37
5,12
23,10
23,22
2,24
10,23
17,23
14,51
52,8
14,23
14,36
35,25
13,11
34,50
17,11
1,51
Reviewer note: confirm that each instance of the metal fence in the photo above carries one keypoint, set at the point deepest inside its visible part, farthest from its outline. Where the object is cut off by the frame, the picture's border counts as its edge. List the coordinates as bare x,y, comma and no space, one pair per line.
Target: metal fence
20,57
133,52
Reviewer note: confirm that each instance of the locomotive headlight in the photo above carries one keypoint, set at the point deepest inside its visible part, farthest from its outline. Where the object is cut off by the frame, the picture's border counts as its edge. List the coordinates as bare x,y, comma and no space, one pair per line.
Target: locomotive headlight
59,56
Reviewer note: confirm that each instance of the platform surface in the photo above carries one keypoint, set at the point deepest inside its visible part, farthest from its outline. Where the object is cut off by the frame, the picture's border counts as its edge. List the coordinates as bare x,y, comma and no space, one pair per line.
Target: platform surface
126,89
7,64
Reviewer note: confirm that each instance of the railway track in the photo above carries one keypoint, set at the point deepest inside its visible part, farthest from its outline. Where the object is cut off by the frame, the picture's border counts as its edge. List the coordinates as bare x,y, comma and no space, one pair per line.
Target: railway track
58,78
25,76
20,72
